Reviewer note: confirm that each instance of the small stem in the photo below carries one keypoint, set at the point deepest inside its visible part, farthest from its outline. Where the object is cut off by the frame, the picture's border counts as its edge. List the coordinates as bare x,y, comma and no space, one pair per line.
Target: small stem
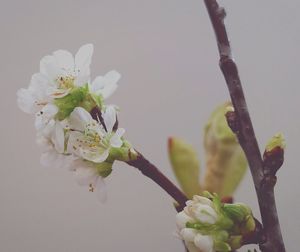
263,181
149,170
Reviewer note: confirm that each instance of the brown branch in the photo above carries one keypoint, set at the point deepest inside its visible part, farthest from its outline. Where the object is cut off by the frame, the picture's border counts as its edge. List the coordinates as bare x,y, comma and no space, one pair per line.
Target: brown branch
264,180
149,170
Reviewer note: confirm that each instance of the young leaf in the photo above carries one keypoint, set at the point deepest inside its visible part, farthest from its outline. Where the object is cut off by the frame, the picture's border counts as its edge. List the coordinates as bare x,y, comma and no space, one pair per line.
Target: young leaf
186,166
225,160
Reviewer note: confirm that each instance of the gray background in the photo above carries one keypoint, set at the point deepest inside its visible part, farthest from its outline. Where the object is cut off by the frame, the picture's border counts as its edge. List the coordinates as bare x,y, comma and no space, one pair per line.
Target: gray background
166,52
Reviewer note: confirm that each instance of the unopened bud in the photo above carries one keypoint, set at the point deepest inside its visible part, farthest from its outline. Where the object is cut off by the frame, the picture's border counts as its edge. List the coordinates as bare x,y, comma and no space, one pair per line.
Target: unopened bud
274,154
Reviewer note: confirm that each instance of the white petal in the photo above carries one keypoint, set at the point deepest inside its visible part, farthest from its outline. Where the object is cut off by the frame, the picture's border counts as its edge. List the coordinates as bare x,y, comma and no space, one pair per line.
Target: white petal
54,159
204,243
191,247
116,140
59,138
202,200
26,101
79,118
50,68
65,60
45,116
83,59
181,219
85,175
48,129
81,80
73,142
100,189
97,84
109,117
39,84
94,157
106,85
188,234
205,214
44,143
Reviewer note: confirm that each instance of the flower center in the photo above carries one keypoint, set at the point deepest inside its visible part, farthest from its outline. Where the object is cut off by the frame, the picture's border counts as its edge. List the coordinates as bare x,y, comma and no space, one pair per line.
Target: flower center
65,82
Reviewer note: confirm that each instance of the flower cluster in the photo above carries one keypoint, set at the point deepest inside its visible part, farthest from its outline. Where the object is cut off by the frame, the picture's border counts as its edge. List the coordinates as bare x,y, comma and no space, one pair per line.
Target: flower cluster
207,225
74,127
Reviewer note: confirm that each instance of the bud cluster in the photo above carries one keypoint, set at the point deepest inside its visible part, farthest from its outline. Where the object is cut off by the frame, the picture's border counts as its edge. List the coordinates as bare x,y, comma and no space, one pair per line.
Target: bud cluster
207,225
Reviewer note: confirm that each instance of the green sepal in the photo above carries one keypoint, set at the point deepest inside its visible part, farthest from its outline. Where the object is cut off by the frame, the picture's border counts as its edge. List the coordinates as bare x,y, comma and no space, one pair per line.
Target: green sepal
185,165
67,103
205,228
91,101
124,153
250,224
221,246
235,241
103,169
221,235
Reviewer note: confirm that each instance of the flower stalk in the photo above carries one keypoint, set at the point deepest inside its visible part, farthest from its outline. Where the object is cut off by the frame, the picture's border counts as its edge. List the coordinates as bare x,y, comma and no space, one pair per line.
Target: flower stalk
152,172
264,181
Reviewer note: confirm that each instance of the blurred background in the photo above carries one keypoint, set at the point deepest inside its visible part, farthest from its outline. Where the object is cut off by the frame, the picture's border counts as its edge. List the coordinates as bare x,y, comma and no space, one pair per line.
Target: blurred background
167,55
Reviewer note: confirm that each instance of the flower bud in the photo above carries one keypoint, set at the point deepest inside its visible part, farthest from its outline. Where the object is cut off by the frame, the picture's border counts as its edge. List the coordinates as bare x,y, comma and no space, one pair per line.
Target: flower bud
206,224
274,154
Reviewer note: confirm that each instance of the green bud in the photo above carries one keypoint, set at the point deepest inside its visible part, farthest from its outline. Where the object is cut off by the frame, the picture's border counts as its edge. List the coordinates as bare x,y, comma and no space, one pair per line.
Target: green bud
276,141
235,241
226,162
186,166
222,246
221,235
250,224
237,212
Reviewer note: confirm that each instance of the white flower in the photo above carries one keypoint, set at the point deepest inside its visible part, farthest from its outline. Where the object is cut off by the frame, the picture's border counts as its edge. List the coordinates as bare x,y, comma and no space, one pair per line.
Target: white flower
59,73
91,140
52,144
198,210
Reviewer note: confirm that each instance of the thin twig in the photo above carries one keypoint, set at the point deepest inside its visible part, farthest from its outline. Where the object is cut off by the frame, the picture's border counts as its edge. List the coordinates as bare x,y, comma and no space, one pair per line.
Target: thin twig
149,170
263,181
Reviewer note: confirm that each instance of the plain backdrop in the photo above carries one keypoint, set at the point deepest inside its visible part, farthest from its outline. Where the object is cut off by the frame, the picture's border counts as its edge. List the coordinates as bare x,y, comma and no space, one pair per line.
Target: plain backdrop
166,53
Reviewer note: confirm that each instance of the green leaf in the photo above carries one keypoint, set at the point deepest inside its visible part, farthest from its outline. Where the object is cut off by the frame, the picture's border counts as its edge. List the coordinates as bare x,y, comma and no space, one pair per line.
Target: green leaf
236,168
186,166
225,160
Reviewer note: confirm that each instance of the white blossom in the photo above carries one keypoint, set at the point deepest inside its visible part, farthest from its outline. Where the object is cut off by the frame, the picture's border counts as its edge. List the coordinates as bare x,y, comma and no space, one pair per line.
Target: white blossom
58,74
91,140
198,210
